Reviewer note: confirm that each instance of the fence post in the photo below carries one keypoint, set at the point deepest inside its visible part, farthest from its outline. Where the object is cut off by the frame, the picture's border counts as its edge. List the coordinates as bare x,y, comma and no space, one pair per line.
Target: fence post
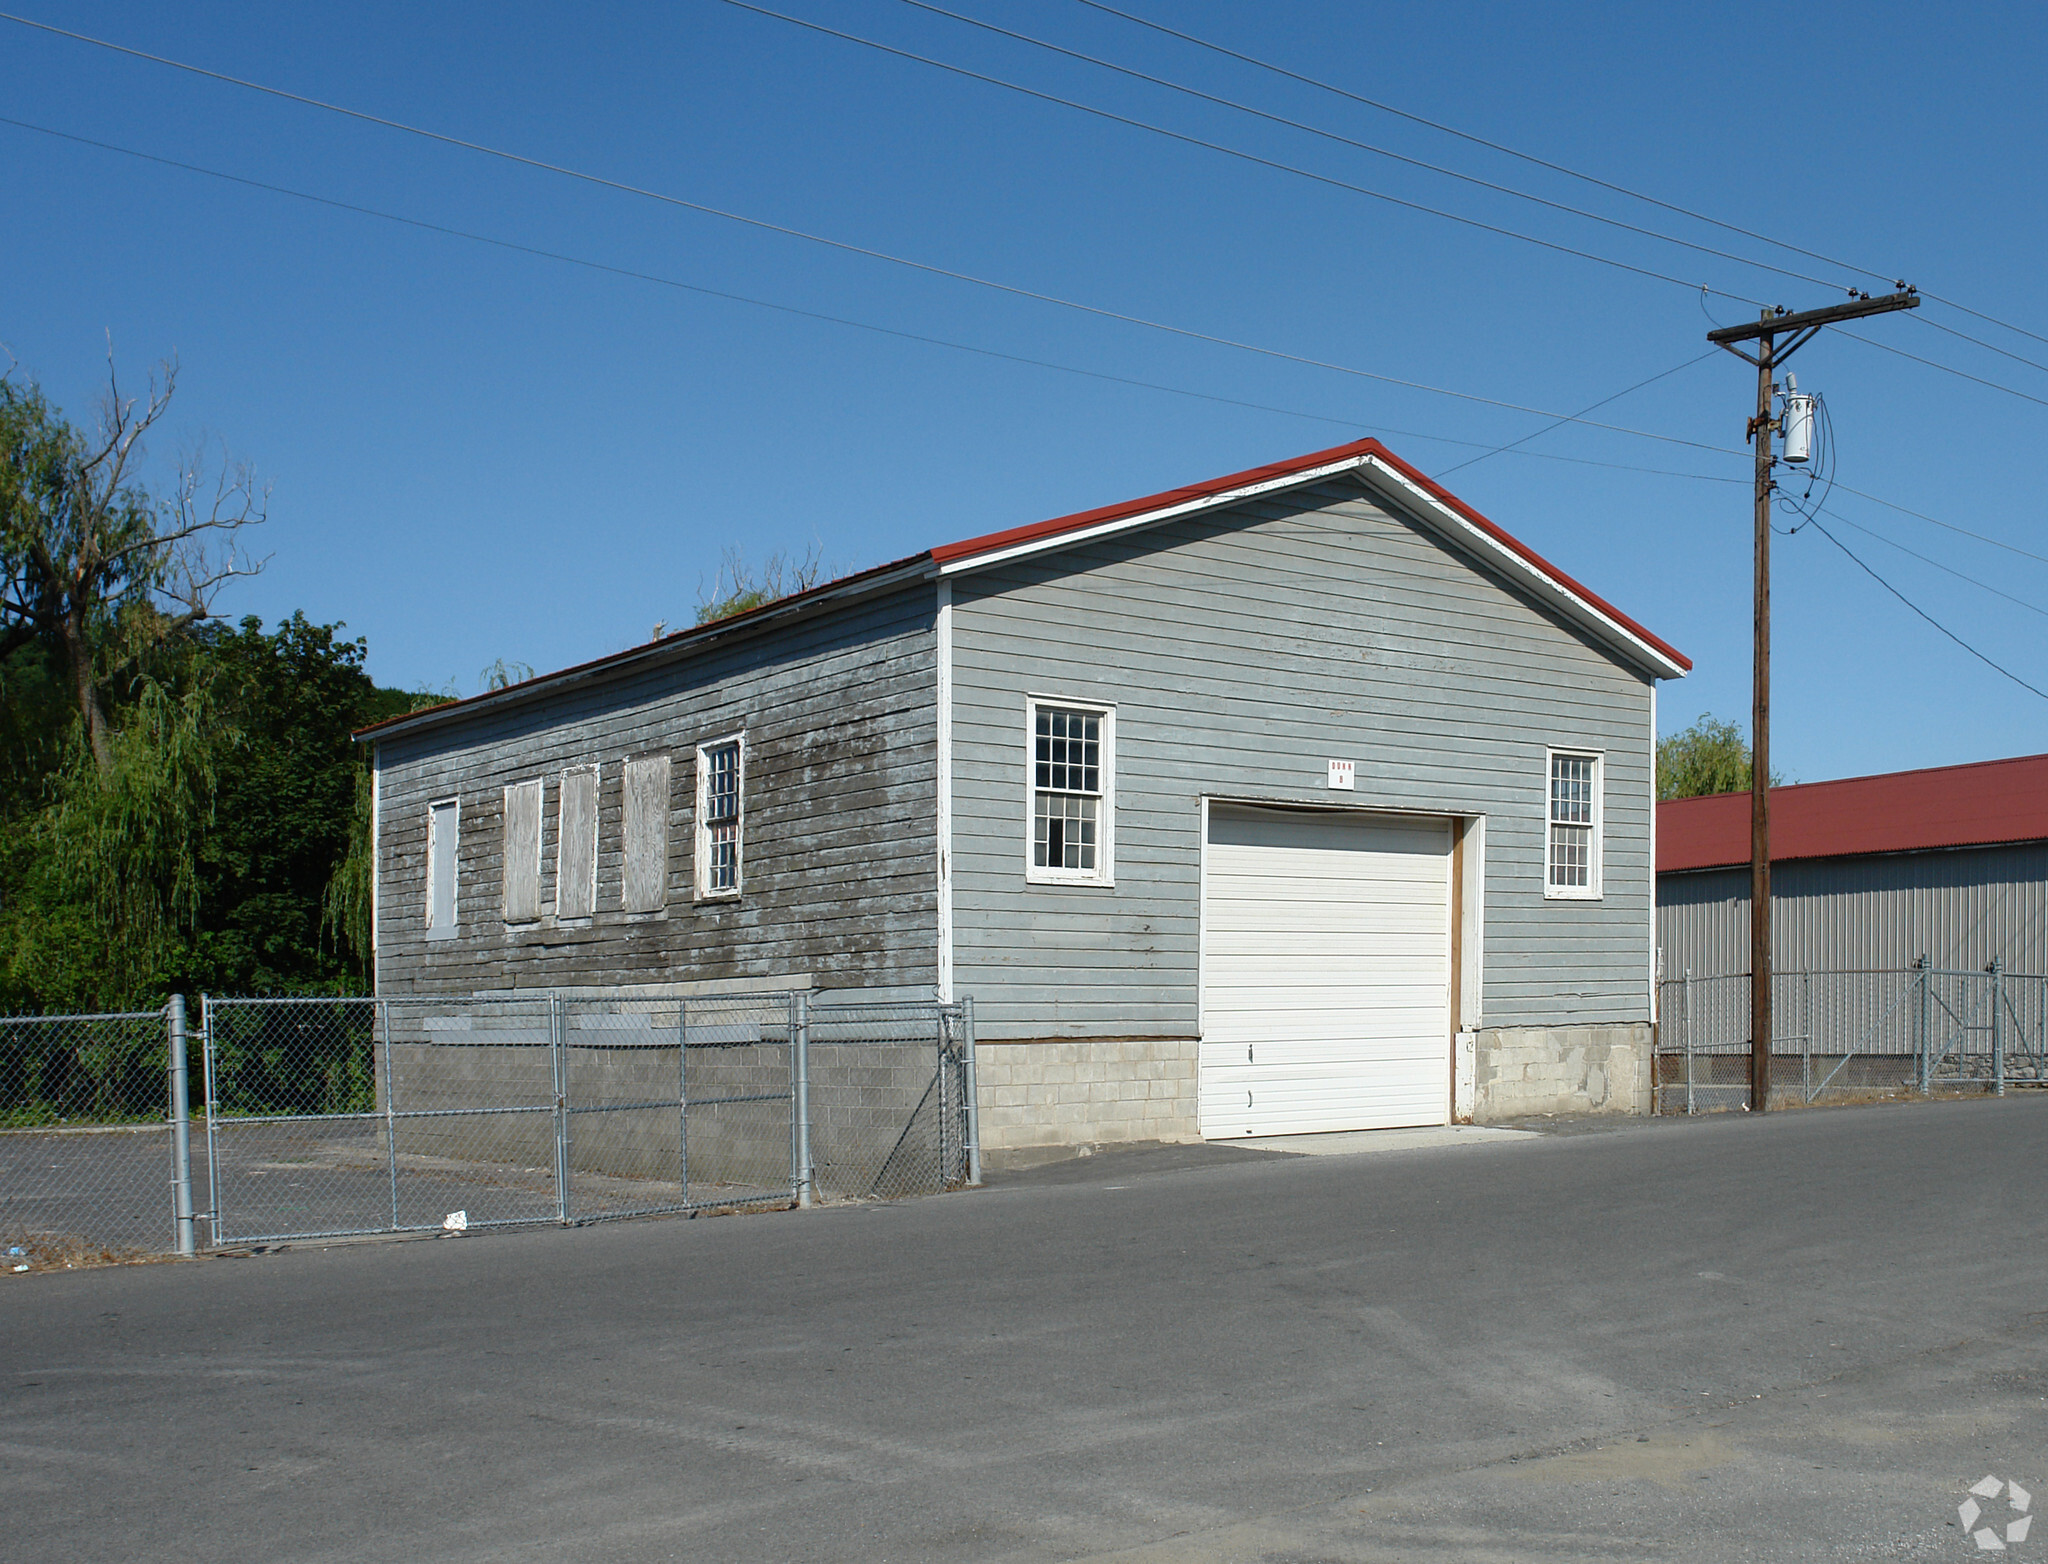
181,1130
1997,970
213,1217
1926,1023
561,1067
390,1109
800,1096
968,1091
1806,1039
1687,1016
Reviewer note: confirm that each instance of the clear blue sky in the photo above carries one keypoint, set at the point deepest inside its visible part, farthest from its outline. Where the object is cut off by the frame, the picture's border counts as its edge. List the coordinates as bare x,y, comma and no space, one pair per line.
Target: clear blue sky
479,454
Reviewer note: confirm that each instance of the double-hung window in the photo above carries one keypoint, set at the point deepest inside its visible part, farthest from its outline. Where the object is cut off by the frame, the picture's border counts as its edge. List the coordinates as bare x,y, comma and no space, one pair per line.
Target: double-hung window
721,775
1573,827
1072,799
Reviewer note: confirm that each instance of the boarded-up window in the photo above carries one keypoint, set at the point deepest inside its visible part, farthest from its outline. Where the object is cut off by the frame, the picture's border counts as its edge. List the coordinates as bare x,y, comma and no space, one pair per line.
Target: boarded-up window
646,833
522,851
443,821
576,861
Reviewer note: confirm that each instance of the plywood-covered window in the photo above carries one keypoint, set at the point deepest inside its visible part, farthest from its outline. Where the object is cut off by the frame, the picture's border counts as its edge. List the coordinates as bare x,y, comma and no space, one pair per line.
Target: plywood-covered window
646,833
444,829
576,844
522,851
1572,833
1071,796
721,815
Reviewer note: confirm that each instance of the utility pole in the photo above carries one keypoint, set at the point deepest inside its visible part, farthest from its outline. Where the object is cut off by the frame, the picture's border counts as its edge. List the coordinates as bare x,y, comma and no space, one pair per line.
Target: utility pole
1798,330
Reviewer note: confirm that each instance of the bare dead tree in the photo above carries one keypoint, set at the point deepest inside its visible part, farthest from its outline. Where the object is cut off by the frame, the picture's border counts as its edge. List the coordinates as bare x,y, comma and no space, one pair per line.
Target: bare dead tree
94,564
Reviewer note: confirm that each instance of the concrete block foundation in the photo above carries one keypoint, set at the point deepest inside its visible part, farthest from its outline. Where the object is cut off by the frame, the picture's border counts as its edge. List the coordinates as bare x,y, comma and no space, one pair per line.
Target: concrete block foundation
1562,1069
1076,1093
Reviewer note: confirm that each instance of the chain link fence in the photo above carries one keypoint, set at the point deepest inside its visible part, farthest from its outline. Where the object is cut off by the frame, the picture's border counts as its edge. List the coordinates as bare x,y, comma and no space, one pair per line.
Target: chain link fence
334,1117
1845,1034
85,1138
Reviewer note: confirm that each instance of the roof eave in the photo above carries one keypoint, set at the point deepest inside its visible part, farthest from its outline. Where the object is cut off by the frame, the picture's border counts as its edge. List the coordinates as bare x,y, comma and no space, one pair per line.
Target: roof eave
867,583
1480,538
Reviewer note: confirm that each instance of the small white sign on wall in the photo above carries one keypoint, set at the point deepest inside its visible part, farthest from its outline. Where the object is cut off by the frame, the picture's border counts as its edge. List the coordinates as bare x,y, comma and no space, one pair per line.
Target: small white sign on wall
1344,774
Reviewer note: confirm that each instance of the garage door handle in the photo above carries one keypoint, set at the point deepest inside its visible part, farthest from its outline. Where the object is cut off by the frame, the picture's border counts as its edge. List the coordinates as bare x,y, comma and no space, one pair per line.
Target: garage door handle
1247,1099
1247,1053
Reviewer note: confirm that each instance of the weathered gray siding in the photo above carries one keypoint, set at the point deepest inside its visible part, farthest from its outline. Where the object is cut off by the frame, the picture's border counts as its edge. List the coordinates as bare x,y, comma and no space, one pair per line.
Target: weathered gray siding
1962,907
1242,650
840,860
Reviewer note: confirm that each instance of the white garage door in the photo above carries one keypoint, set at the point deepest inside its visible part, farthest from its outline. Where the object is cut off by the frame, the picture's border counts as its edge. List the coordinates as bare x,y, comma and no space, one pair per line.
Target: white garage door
1326,972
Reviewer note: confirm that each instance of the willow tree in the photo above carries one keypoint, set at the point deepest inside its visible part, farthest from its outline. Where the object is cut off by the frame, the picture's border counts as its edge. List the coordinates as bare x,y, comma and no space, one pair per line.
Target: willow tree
95,564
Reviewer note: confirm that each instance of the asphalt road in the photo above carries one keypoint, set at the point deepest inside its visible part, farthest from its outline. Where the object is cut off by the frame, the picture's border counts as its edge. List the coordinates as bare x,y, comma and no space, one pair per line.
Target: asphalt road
1797,1337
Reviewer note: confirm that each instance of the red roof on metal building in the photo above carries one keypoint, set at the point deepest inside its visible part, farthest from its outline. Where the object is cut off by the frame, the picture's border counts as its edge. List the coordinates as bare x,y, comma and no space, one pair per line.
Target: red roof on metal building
1899,812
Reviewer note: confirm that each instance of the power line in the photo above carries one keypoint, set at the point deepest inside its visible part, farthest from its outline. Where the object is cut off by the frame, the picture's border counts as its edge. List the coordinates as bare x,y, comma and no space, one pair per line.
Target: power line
1362,146
838,320
818,315
1229,151
1538,162
849,248
1560,423
1947,369
1944,629
1558,419
1951,303
2017,358
1868,532
1936,521
1295,169
1481,141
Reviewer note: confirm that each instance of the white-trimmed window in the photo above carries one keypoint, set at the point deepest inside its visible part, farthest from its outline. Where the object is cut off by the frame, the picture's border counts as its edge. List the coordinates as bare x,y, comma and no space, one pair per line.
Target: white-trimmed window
444,831
1572,835
721,817
1070,819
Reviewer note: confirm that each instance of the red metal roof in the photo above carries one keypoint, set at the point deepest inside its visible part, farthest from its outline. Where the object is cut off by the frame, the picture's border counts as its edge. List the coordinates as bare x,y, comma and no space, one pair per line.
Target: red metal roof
1081,521
1899,812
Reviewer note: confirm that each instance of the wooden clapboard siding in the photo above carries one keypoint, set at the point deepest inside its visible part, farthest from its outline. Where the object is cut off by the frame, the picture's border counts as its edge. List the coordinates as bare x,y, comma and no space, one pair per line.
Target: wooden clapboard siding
840,861
1243,650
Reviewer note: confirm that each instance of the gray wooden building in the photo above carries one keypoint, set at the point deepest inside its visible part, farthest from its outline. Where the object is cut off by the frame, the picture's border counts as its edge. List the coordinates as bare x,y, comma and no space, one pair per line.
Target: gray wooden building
1867,873
1304,798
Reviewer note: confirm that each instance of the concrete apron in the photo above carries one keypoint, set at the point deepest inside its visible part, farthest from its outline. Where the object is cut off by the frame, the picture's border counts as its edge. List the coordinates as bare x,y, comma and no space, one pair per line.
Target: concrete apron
1359,1143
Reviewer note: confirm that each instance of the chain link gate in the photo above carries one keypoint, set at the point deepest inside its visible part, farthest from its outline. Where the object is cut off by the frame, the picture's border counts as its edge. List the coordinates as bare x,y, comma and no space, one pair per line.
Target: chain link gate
1917,1028
329,1118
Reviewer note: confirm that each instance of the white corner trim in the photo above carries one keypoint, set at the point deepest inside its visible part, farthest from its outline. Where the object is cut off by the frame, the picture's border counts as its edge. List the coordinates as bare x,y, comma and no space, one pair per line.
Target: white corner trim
1653,852
1472,936
943,633
1227,497
1202,917
1482,543
376,861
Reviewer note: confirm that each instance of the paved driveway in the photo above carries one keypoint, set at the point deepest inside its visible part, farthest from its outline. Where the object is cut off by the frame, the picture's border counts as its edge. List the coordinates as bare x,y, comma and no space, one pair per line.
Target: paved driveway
1794,1337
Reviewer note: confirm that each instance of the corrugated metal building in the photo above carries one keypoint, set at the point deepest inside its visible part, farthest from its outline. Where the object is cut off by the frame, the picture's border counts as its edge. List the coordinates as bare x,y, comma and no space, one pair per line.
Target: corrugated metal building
1867,873
1278,802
